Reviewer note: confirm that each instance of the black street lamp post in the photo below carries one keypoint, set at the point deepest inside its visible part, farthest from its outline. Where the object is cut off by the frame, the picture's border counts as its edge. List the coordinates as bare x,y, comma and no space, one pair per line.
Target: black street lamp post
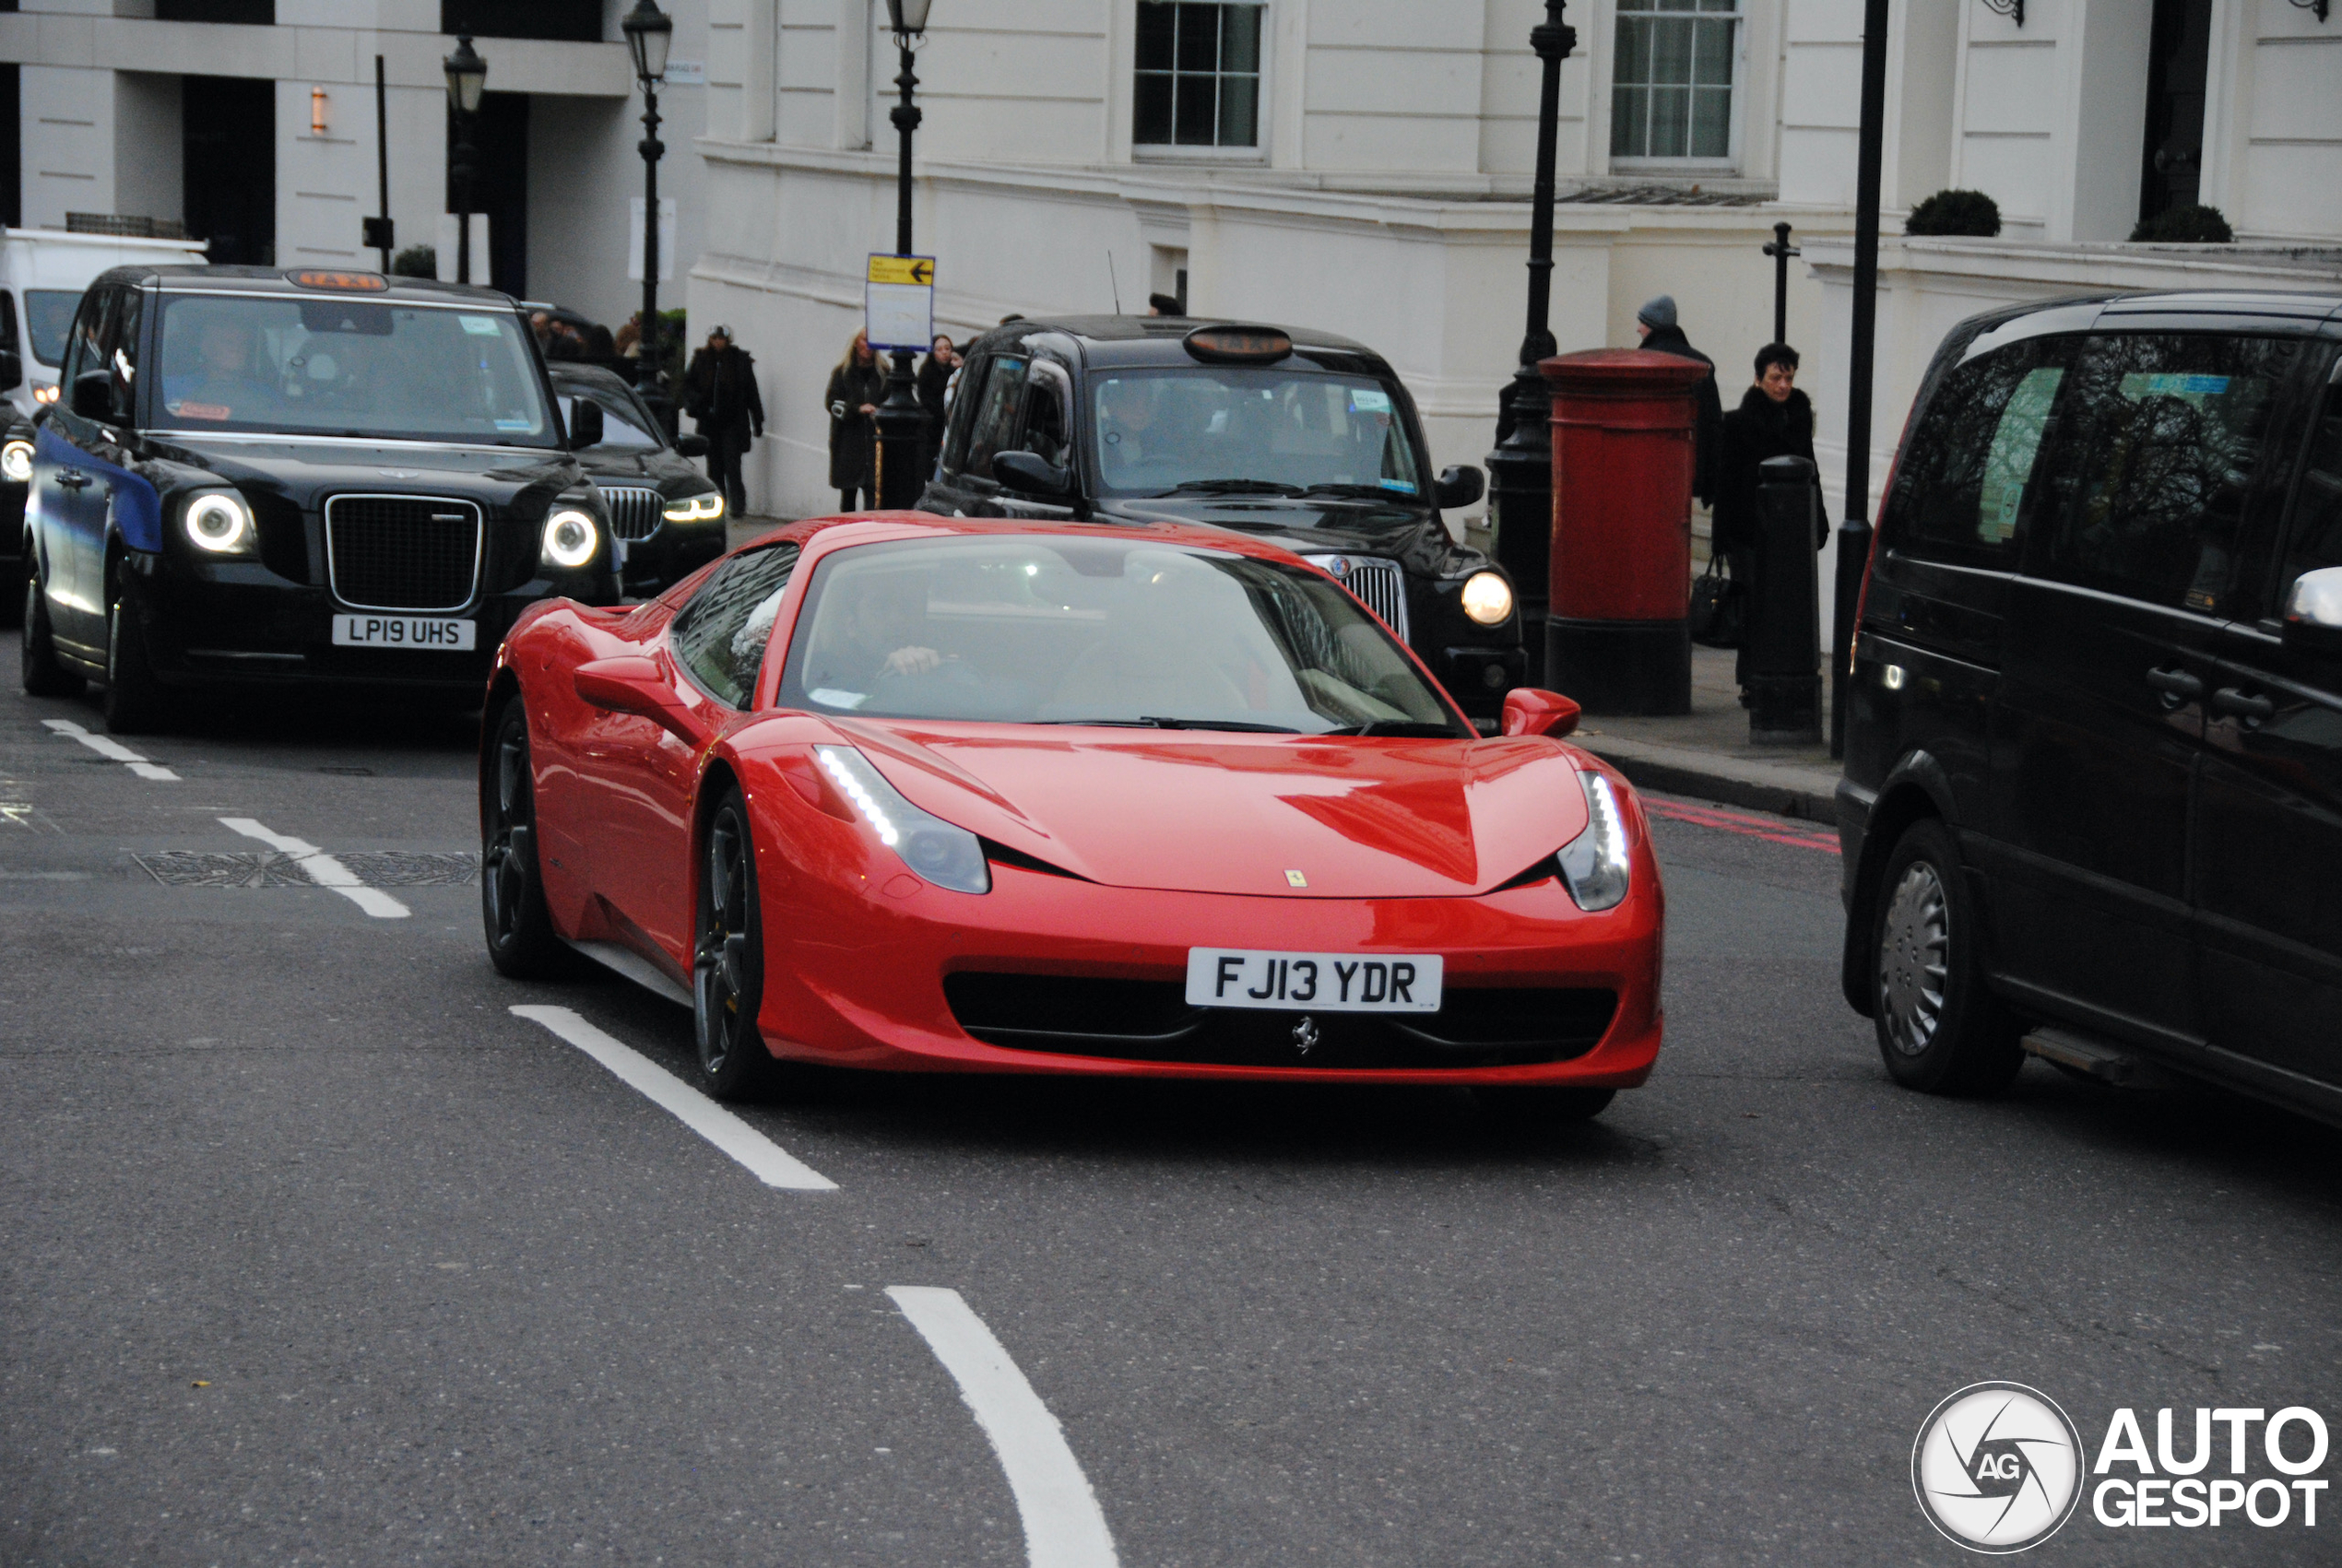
902,423
1780,249
1854,529
1520,468
467,80
649,32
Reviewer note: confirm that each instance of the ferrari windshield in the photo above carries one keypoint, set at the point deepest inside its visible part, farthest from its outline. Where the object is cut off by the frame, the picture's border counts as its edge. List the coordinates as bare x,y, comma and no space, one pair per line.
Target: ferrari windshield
1280,429
334,365
1079,629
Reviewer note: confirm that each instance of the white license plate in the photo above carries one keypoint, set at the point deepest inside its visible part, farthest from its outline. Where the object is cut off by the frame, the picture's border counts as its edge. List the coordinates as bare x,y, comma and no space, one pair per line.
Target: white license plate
404,631
1333,983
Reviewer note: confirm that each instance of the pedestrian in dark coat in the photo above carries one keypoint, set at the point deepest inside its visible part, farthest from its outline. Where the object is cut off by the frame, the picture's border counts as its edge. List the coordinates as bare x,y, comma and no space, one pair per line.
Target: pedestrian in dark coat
719,391
855,388
1774,419
935,374
1656,323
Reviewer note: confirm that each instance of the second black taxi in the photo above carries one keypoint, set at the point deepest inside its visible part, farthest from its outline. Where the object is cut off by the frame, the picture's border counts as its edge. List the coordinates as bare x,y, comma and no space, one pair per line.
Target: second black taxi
1297,436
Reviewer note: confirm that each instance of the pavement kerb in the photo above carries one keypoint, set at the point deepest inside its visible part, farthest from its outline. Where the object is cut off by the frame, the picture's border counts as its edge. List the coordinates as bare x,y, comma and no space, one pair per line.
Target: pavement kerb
1786,789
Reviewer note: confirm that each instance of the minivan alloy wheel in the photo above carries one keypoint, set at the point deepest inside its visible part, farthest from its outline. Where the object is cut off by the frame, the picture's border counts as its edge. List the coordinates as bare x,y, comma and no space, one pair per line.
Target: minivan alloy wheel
1914,959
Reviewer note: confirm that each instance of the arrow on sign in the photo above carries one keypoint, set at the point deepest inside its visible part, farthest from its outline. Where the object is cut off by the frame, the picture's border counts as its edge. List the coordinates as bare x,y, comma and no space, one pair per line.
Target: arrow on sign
923,272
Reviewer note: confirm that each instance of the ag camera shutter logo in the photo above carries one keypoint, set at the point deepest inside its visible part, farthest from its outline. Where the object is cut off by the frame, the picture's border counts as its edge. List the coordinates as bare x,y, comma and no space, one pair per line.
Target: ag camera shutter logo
1997,1467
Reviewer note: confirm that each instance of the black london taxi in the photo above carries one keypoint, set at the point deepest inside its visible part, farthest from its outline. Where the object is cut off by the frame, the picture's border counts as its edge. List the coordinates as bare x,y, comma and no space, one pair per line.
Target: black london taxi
1297,436
2092,807
261,476
667,516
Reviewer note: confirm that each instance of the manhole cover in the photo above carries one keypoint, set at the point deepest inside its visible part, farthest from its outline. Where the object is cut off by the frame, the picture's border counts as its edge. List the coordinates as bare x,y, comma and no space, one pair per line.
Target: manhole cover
403,868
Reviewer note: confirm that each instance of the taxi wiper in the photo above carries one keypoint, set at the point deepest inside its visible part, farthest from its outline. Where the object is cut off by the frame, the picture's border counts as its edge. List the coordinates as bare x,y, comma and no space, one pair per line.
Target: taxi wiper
1369,492
1237,487
1421,728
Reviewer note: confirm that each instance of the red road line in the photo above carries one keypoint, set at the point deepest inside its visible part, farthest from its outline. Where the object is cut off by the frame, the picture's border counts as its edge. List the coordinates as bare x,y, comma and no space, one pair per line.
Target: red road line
1734,823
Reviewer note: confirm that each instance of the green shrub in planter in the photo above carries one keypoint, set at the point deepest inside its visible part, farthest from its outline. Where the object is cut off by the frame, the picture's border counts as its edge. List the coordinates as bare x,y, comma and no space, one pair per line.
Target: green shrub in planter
416,261
1971,214
2186,226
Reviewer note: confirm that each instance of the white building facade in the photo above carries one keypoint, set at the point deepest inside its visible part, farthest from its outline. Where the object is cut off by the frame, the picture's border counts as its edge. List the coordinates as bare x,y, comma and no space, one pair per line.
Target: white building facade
253,123
1363,166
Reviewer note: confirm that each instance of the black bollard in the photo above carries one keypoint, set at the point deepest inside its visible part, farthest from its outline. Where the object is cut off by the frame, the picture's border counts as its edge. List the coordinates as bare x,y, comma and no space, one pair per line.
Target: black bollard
1520,505
1784,618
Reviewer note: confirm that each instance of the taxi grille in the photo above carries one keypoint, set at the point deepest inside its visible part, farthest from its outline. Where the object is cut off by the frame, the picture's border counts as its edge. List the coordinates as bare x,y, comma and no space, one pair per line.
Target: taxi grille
1379,583
402,552
1150,1020
634,512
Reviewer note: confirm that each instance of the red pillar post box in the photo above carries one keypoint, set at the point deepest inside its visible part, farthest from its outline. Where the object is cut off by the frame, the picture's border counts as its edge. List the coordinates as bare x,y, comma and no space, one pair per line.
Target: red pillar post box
1617,638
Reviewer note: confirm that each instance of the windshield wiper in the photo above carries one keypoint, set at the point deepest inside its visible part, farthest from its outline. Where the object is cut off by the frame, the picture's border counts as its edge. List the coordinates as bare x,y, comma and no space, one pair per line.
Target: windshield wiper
1420,728
1156,721
1237,487
1367,493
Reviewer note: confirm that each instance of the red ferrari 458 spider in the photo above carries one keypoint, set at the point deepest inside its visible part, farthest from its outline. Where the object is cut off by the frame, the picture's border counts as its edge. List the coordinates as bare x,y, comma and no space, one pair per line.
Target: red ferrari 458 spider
897,791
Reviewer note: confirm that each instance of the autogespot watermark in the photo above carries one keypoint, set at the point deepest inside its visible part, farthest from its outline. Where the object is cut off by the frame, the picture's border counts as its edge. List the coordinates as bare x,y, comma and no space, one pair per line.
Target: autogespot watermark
1999,1467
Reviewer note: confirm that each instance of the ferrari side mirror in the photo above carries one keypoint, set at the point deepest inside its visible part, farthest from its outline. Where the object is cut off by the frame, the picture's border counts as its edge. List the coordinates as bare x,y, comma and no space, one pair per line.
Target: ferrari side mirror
631,684
1531,712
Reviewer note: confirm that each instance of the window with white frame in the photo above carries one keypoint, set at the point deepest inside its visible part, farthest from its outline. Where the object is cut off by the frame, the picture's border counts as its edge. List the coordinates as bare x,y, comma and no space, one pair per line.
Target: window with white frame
1671,88
1199,74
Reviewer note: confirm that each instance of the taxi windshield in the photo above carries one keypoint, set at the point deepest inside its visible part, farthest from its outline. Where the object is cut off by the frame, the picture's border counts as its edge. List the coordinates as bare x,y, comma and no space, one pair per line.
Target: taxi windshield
1072,630
338,366
1278,429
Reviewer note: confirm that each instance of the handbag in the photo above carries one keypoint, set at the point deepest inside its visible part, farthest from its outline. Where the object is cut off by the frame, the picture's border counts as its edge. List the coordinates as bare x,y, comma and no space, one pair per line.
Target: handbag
1718,607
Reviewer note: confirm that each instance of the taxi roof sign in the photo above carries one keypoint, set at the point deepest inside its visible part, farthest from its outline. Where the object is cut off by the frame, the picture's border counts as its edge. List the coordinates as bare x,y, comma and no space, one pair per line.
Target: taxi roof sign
319,277
1239,345
915,270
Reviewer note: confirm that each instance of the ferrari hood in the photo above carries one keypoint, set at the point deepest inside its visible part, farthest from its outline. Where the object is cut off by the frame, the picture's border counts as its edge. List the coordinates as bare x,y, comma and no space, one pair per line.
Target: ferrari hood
1286,816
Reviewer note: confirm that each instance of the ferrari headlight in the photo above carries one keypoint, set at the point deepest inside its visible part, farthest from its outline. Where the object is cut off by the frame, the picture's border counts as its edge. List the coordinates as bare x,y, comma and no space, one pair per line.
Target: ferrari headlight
570,538
16,461
1487,598
1596,864
948,857
218,522
695,508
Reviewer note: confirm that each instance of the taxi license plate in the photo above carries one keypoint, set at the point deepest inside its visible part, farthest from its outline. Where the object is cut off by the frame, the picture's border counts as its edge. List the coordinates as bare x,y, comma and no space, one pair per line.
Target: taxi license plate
405,632
1336,983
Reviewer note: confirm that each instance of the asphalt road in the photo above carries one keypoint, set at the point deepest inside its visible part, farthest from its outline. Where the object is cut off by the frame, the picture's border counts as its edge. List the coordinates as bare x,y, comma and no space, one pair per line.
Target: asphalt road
312,1251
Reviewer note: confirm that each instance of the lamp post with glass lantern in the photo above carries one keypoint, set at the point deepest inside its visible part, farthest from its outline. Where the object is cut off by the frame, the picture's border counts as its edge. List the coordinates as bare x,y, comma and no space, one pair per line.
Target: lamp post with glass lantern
1520,468
902,424
649,32
466,81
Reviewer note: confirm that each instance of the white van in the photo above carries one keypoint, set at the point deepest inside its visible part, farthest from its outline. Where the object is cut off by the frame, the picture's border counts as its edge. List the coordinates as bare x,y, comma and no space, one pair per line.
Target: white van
42,273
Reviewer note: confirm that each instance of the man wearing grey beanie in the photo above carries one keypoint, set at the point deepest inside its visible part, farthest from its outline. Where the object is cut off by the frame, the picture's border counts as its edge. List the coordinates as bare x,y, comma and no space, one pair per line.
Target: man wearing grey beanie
1655,323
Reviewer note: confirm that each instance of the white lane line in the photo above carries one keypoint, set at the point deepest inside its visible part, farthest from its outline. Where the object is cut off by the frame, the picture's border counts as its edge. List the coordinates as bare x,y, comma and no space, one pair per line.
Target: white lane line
765,1159
322,869
113,751
1063,1526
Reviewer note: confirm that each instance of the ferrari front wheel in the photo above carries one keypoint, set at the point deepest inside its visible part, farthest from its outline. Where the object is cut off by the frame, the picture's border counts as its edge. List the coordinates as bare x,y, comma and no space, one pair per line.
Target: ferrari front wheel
522,943
728,959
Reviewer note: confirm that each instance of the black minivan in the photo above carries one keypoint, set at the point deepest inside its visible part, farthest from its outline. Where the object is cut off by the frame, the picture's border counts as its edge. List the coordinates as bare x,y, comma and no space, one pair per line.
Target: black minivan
2093,796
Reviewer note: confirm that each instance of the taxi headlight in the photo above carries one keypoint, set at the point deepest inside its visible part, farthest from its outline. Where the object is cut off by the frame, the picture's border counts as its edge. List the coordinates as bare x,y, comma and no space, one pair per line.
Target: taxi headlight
695,508
218,522
1596,863
948,857
570,538
1487,598
16,461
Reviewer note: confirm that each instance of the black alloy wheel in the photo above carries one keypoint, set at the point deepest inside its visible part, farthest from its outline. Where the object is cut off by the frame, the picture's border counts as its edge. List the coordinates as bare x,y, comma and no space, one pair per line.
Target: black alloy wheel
44,676
1941,1030
727,959
521,940
1542,1110
134,698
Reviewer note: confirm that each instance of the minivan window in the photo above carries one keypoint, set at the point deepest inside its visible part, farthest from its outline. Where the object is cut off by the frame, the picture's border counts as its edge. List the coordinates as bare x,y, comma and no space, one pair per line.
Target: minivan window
2160,437
48,322
2316,540
1960,489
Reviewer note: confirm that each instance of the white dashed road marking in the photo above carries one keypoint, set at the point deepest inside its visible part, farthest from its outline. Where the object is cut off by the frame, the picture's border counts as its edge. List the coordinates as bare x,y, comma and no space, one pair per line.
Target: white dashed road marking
765,1159
1063,1526
322,868
113,750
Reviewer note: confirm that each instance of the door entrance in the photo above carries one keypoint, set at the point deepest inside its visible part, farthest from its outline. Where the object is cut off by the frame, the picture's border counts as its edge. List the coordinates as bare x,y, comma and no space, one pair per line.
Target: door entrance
2179,53
228,189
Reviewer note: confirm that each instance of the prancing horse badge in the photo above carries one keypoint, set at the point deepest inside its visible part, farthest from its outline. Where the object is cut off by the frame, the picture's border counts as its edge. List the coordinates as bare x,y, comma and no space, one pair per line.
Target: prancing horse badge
1304,1035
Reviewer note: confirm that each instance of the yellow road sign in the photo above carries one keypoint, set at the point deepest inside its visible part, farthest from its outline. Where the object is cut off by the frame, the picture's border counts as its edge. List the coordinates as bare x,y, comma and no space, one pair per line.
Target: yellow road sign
902,269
